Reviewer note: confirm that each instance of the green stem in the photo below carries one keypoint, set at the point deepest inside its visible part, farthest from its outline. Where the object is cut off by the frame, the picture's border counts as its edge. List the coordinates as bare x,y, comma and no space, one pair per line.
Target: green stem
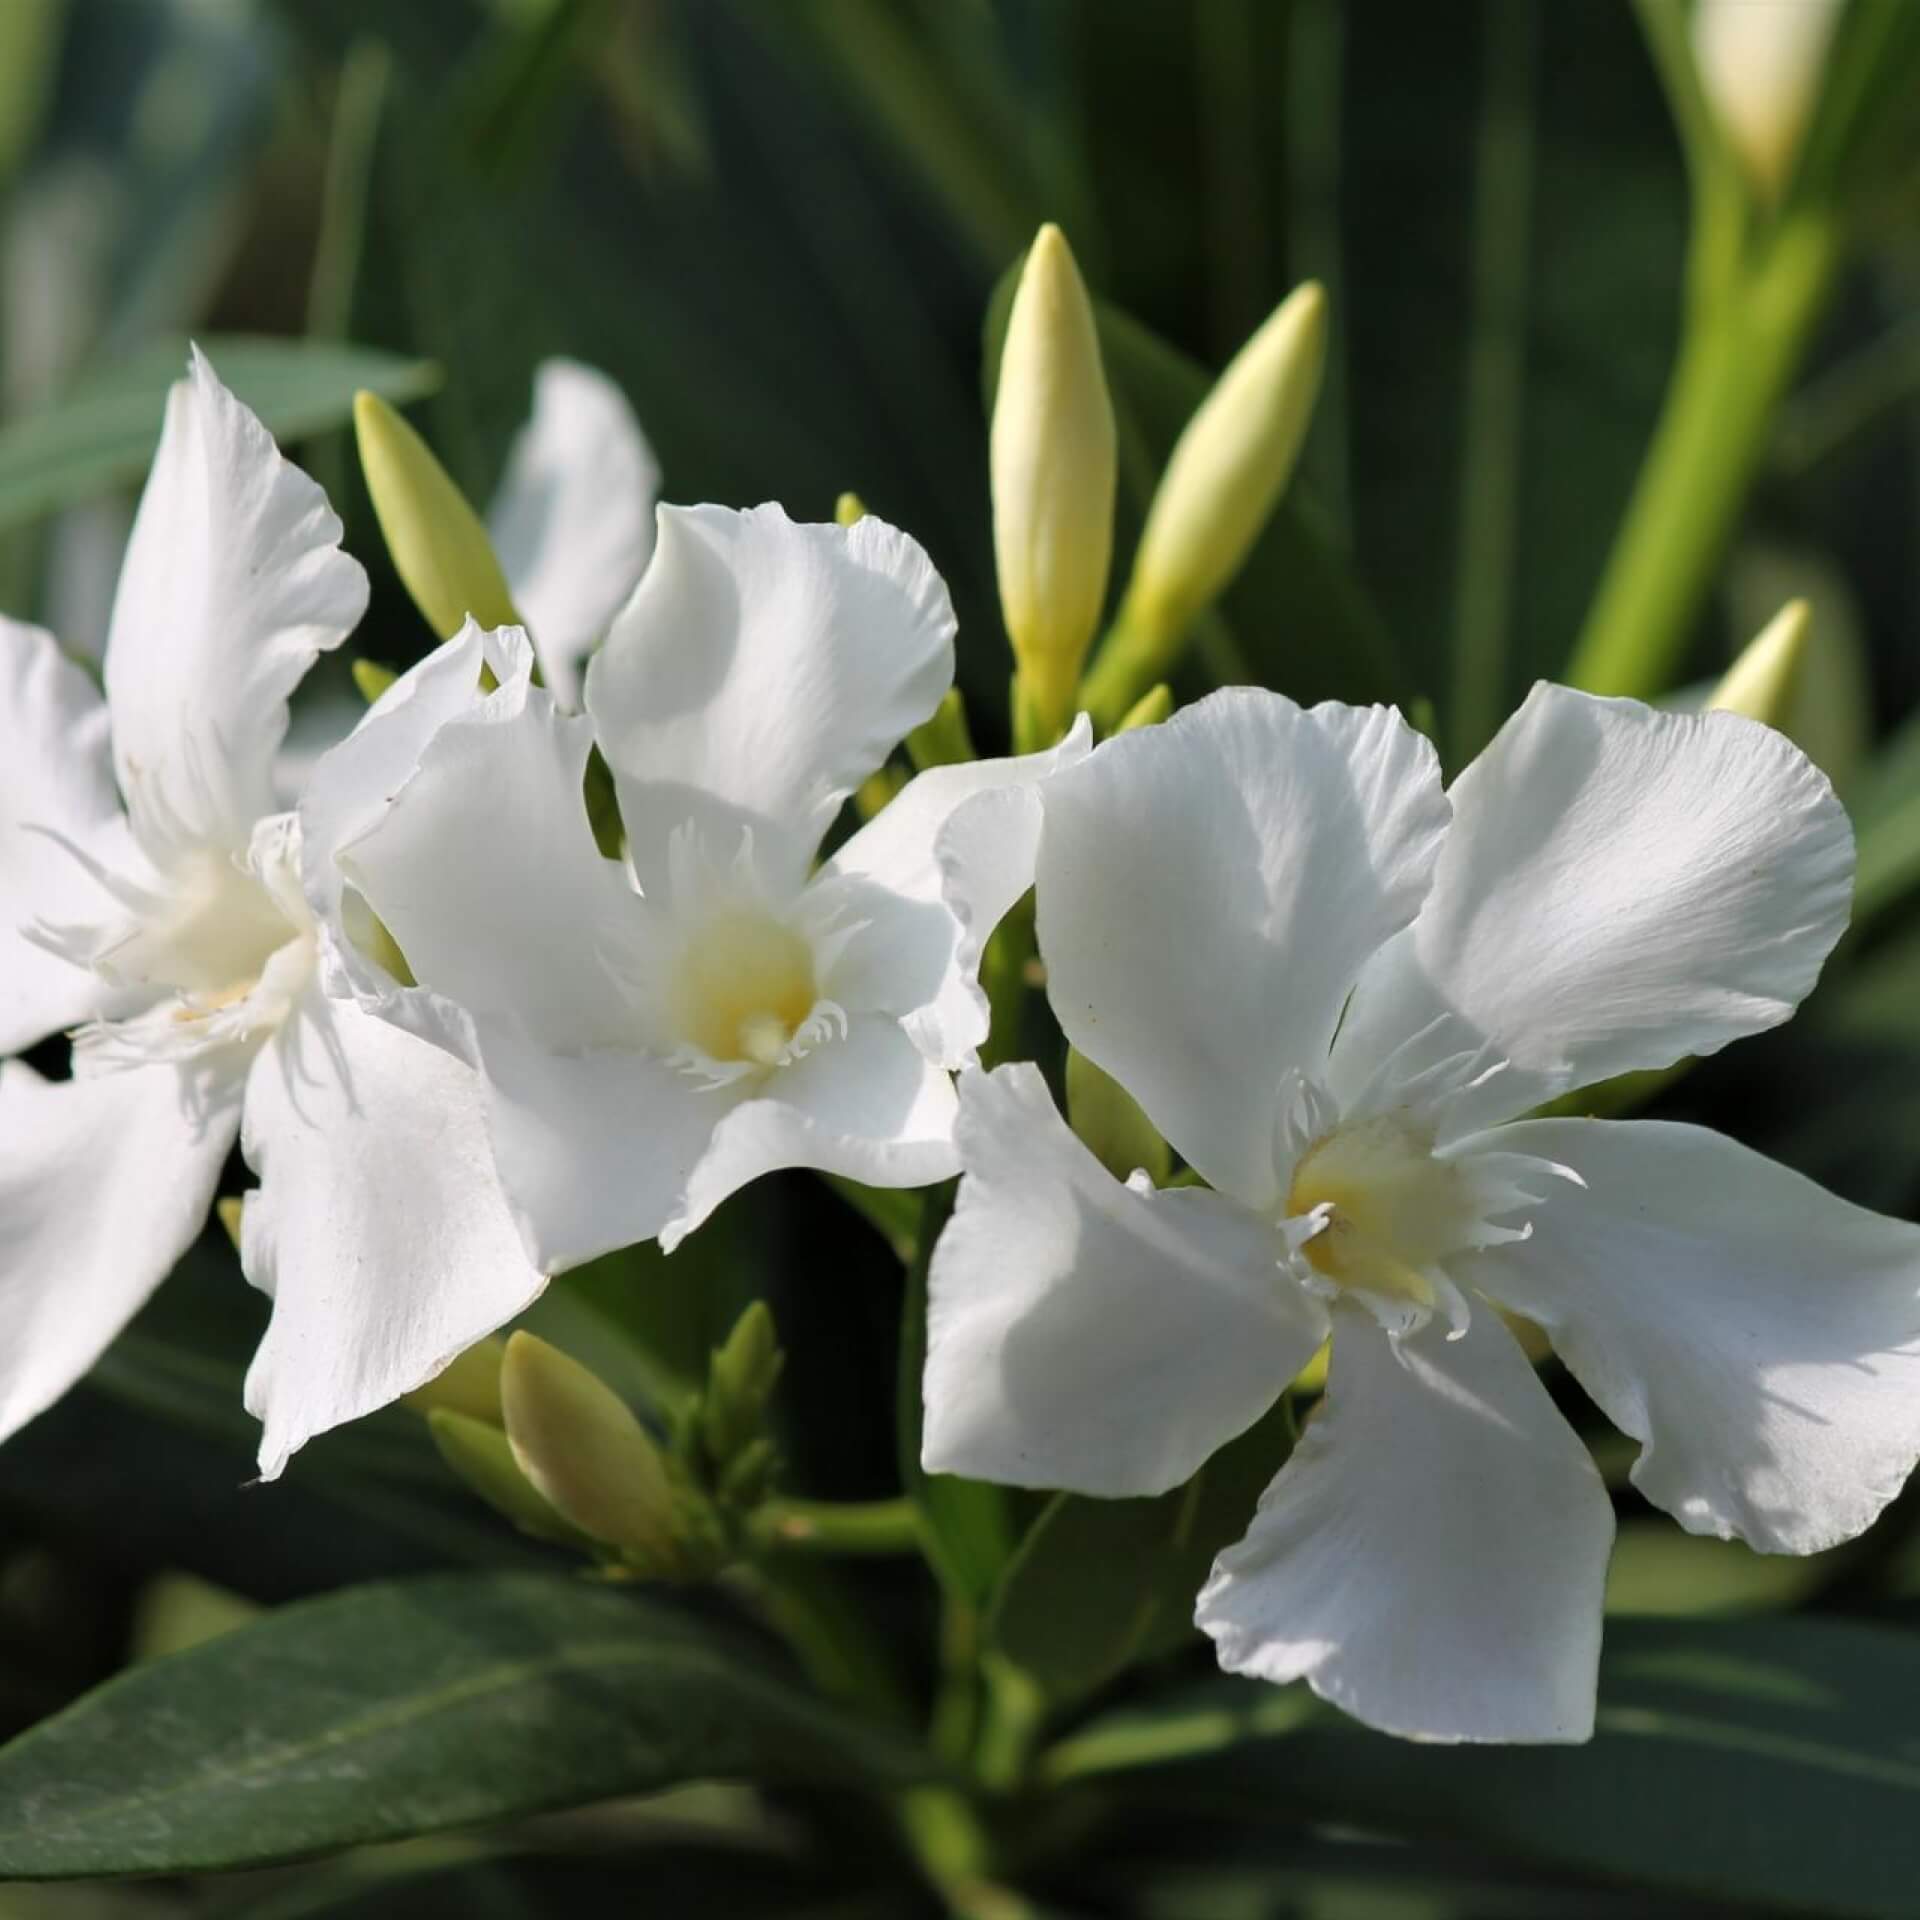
1015,1711
830,1526
1739,349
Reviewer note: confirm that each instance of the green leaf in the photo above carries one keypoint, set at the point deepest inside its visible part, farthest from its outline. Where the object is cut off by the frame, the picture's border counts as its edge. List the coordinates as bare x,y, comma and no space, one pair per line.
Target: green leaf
968,1525
1296,617
1071,1631
101,434
403,1708
1768,1764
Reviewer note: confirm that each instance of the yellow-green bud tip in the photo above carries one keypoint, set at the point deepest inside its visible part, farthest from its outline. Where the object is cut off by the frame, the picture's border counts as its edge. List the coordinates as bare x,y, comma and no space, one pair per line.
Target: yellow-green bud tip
440,548
1229,469
1053,465
849,509
579,1444
1149,710
1760,684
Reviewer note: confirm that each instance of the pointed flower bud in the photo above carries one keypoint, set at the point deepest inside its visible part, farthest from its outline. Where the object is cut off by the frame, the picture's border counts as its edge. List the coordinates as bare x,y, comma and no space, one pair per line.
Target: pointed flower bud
372,679
849,510
1149,710
1762,681
1112,1124
945,740
579,1444
741,1377
479,1456
439,546
1760,64
1054,466
469,1383
1222,483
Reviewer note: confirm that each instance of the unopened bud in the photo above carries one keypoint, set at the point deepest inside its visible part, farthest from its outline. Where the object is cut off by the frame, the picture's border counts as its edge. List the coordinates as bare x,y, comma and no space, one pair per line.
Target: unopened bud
469,1383
1149,710
944,740
1054,467
1761,683
1226,473
741,1376
849,510
231,1212
1111,1123
578,1442
479,1455
1760,64
439,545
372,679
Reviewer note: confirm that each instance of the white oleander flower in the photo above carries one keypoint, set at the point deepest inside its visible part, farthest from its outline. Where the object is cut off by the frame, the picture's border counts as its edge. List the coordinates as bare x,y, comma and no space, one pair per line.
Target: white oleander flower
1335,995
179,937
656,1033
572,521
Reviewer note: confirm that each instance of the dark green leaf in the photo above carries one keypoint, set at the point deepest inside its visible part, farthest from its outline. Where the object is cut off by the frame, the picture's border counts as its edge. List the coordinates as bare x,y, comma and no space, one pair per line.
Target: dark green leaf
1099,1584
102,433
404,1708
1765,1763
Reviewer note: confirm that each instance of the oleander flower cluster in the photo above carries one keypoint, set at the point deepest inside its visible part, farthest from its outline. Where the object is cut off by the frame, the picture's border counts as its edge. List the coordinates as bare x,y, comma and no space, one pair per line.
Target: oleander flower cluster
466,1040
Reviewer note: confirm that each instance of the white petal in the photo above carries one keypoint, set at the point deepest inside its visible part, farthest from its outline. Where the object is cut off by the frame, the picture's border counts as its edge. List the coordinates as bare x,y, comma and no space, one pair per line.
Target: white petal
234,582
573,519
1621,887
594,1149
867,1105
759,673
1208,891
104,1183
962,839
1433,1556
1759,1335
56,798
1083,1334
484,869
378,1229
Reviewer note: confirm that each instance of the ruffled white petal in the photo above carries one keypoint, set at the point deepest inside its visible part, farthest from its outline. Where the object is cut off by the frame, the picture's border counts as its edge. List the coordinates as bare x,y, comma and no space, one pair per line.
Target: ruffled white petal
867,1105
1433,1556
378,1229
1087,1335
594,1149
483,868
234,582
760,672
104,1183
1208,891
572,522
58,813
958,847
1621,887
1760,1336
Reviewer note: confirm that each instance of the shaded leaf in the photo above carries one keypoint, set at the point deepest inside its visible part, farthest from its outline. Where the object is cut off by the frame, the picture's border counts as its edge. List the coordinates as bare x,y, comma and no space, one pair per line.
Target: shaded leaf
101,434
402,1708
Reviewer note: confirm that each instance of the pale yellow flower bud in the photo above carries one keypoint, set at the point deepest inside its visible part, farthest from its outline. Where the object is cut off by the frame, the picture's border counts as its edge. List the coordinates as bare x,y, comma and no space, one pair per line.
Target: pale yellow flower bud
1760,64
849,510
469,1383
440,548
1762,681
1054,466
579,1444
1229,468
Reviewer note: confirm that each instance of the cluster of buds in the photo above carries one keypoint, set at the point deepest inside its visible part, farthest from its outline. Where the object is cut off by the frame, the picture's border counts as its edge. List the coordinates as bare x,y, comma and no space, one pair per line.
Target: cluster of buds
1054,469
547,1443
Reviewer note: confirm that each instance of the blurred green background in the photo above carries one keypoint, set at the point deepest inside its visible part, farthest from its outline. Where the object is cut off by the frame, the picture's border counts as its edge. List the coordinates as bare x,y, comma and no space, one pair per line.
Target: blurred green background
778,224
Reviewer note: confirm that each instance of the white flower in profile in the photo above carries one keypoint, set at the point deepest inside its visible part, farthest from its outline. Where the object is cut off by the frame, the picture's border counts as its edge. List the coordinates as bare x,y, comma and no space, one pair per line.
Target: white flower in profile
572,520
1336,995
179,937
657,1032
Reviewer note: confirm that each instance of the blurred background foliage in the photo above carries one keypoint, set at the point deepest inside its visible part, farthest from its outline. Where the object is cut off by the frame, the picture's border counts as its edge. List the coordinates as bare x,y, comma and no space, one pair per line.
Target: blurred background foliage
779,227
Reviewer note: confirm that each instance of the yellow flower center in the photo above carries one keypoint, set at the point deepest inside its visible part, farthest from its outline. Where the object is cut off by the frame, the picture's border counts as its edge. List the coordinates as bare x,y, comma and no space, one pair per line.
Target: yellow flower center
745,986
1394,1210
